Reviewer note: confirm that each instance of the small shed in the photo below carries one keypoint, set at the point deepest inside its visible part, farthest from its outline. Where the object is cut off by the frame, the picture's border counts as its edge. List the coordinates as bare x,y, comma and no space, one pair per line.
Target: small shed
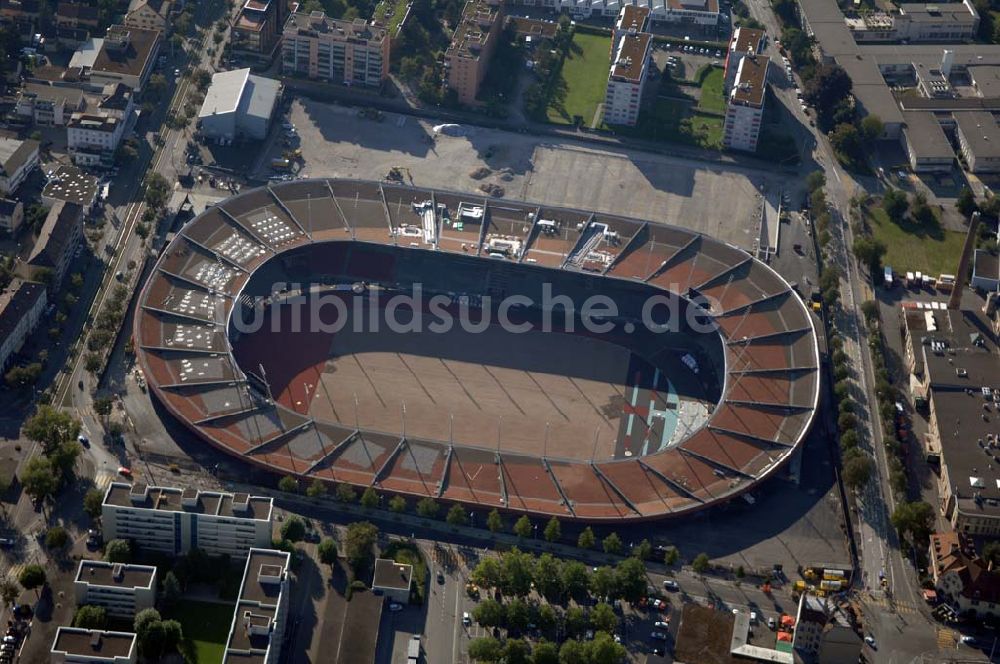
393,579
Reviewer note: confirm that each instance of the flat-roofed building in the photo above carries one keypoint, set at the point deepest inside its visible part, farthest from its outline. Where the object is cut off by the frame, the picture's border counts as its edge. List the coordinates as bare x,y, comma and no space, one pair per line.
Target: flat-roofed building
986,271
261,611
123,590
979,141
48,104
392,579
927,145
55,245
11,215
124,55
174,521
71,185
22,305
17,159
93,139
745,109
117,101
472,46
941,22
630,51
745,41
238,104
148,14
343,52
73,645
256,30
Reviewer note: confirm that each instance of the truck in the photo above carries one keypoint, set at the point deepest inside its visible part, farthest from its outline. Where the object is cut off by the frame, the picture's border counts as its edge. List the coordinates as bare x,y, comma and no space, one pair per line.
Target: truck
888,277
413,650
281,165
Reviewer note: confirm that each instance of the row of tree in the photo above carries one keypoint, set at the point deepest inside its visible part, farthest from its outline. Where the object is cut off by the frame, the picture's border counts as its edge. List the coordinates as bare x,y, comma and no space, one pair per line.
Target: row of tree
603,649
55,431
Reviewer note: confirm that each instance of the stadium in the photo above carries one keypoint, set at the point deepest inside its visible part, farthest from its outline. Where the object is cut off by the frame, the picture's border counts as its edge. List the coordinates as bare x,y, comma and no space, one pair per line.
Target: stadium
594,367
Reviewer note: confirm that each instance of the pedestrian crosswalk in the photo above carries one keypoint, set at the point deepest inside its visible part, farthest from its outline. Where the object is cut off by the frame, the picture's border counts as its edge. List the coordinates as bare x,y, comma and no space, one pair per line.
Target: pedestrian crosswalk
904,608
946,638
103,479
15,571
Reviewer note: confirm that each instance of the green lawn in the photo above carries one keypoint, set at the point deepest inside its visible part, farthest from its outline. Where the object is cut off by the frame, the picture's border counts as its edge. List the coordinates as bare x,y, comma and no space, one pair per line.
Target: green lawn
397,15
679,122
206,626
711,90
910,247
582,81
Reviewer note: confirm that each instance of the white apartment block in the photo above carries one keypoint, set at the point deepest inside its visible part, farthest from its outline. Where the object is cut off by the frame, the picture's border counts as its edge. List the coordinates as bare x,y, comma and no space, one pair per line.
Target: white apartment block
17,159
174,521
123,590
259,620
745,108
22,305
699,12
342,52
629,67
73,645
93,139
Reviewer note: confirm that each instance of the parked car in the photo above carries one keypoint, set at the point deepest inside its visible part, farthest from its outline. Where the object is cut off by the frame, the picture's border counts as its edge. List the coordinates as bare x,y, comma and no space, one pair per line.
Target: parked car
870,640
83,440
395,606
466,618
671,585
124,472
658,636
659,624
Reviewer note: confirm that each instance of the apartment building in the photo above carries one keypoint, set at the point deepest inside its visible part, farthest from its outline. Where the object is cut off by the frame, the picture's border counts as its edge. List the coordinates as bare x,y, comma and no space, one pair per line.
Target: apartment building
11,215
71,185
745,108
47,104
256,30
148,14
22,305
92,139
258,624
174,521
979,141
343,52
962,579
745,41
17,159
472,45
117,101
630,52
123,590
56,243
126,55
73,645
824,633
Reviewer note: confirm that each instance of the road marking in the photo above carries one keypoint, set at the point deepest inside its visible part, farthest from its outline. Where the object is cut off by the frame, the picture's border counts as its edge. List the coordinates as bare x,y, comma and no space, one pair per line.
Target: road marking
15,571
103,479
946,638
454,643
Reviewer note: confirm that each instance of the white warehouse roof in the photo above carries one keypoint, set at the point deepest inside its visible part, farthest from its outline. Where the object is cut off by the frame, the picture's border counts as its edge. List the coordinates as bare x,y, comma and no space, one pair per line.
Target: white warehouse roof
239,90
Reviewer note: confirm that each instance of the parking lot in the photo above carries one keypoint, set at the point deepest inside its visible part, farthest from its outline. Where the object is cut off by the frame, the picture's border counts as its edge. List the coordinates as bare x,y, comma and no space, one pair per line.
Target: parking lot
336,141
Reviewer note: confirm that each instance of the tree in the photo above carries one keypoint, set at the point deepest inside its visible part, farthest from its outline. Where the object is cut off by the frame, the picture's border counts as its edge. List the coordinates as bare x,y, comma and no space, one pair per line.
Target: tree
586,539
288,484
857,471
547,619
846,140
604,650
358,543
172,590
90,616
552,530
576,622
630,579
32,577
522,528
486,573
327,551
545,652
9,592
23,377
991,553
202,79
173,635
39,478
56,537
494,521
316,489
612,543
293,529
816,181
643,550
92,363
102,407
369,498
118,551
51,427
157,190
603,618
516,575
518,616
869,251
966,202
64,457
489,613
700,563
485,649
427,508
602,583
456,515
346,493
872,128
397,504
150,635
548,577
914,519
575,579
671,556
828,86
895,204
